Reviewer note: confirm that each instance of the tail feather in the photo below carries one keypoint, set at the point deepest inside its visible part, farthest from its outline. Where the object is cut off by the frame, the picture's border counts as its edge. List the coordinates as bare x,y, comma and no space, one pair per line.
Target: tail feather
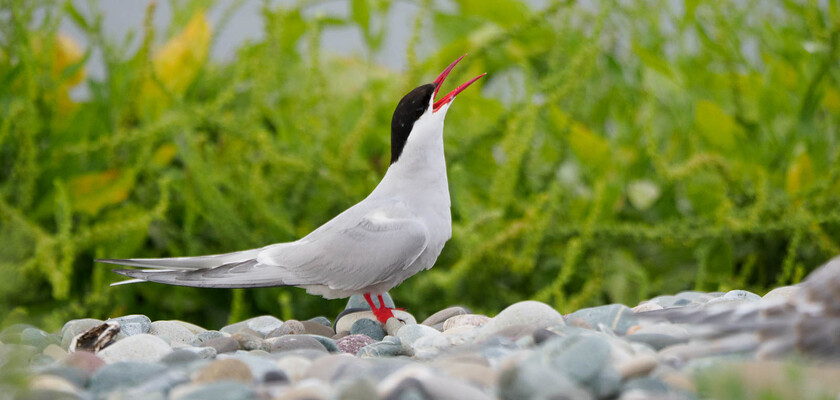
245,274
185,263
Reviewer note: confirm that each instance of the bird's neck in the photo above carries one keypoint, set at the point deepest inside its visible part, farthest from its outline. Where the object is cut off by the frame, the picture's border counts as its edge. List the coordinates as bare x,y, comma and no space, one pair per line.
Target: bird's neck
419,171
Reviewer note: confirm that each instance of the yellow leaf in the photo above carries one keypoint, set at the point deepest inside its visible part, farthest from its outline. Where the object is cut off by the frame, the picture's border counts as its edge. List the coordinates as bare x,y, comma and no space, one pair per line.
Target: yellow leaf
715,125
831,100
89,193
178,63
163,155
800,174
590,148
66,53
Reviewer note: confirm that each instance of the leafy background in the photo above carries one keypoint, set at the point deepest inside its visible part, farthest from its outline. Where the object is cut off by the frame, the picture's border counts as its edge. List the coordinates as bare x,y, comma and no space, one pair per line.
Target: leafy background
615,151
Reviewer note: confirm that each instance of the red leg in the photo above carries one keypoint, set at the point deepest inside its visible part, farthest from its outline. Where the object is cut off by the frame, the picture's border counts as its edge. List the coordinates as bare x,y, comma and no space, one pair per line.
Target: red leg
382,313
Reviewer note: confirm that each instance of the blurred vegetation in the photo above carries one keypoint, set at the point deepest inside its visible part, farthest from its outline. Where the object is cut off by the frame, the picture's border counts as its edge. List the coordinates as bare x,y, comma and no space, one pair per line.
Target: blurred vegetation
613,152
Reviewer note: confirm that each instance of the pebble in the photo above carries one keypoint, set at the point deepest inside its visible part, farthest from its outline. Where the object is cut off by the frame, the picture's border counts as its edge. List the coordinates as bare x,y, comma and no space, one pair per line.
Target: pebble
781,294
176,333
351,344
390,347
317,328
123,375
369,327
437,319
222,370
637,366
132,325
263,324
202,338
140,347
222,344
411,333
225,390
741,295
54,385
37,338
321,320
293,366
84,361
293,342
55,352
529,380
247,341
344,322
290,327
530,313
617,317
647,306
180,357
656,341
470,320
328,343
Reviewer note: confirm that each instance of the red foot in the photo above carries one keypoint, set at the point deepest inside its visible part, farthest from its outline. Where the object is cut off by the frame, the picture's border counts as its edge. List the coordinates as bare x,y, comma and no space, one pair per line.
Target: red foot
382,312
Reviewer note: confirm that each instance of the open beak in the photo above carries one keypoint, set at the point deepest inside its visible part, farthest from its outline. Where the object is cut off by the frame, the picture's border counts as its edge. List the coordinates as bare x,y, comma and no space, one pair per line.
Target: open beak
451,95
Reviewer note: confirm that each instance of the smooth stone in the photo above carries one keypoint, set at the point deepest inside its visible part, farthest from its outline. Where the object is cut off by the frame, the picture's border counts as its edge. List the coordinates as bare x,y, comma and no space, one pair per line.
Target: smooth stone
358,301
336,367
741,295
74,327
177,334
437,319
180,357
132,325
225,390
637,366
532,313
664,300
84,361
606,384
783,293
344,322
317,328
541,335
515,332
393,325
40,360
580,357
617,317
647,384
74,375
248,341
647,306
202,338
123,375
263,324
258,365
293,342
369,327
205,353
53,383
436,387
328,343
195,329
471,320
664,328
294,366
275,376
389,348
321,320
227,369
351,344
223,344
55,352
657,341
529,380
410,333
359,389
477,373
140,347
37,338
290,327
681,303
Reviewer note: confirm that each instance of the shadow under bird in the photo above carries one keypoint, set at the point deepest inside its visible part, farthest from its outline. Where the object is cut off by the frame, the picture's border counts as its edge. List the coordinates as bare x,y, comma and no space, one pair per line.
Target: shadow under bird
395,232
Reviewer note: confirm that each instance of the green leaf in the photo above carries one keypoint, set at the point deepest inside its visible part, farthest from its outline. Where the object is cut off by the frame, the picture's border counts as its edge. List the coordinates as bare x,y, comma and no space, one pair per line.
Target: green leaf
642,193
716,126
591,149
360,12
503,12
800,174
89,193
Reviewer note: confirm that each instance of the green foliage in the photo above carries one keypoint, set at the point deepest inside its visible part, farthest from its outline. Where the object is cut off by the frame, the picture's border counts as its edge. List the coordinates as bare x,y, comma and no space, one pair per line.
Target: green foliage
611,154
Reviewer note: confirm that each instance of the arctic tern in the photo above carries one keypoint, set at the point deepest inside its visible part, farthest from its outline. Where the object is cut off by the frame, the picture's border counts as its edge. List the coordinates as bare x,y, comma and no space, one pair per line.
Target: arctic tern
373,246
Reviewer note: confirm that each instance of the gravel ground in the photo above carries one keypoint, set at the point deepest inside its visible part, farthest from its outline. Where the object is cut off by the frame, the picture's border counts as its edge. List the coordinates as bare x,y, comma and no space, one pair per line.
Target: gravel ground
526,351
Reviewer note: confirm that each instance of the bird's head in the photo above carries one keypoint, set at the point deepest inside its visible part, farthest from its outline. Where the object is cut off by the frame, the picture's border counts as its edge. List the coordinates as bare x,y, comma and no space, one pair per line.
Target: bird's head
418,110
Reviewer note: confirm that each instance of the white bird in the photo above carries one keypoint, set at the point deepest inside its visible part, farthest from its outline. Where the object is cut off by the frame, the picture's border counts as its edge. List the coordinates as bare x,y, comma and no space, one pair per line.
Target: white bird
373,246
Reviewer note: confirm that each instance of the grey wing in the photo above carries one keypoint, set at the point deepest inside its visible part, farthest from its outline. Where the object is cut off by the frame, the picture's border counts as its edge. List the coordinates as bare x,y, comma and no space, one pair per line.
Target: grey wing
353,253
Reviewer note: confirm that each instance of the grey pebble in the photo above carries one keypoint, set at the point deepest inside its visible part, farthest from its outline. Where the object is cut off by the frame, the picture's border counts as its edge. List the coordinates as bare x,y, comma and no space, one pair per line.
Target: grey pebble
657,341
263,325
132,325
293,342
225,390
222,344
581,357
179,357
123,375
321,320
202,338
37,338
316,328
437,319
390,348
328,343
617,317
290,327
247,341
529,380
371,328
176,333
531,313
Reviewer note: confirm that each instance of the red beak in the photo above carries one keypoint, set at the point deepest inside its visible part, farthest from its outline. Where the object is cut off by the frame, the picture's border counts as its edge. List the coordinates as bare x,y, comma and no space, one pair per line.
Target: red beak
451,95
